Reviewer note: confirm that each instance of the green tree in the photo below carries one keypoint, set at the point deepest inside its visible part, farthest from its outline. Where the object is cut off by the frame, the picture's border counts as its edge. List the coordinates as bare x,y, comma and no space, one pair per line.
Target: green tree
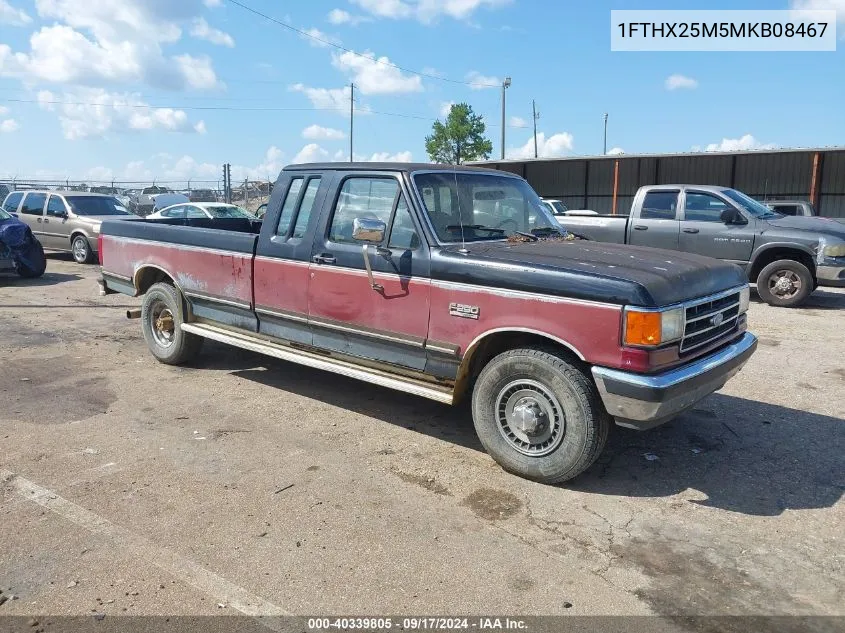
459,139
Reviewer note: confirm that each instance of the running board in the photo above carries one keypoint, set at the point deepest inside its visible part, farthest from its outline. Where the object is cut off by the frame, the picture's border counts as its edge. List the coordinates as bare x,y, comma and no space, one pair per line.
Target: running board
344,368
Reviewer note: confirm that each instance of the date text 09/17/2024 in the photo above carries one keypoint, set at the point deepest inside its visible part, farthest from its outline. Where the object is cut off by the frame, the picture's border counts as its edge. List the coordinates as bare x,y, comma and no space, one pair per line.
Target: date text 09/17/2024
417,623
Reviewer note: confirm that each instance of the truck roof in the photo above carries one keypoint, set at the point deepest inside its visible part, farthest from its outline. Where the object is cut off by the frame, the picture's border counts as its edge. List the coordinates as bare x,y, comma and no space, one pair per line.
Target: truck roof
404,167
687,186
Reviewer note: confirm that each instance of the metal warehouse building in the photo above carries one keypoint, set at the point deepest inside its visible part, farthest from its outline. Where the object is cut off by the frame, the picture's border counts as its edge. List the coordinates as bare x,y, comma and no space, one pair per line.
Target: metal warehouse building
607,184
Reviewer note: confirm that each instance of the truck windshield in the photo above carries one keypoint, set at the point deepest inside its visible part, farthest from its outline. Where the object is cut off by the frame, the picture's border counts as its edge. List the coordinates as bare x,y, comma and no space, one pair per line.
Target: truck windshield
466,207
96,205
757,209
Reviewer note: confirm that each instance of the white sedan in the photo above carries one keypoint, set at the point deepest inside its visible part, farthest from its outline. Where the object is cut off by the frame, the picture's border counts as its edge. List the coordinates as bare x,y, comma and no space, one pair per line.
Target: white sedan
209,210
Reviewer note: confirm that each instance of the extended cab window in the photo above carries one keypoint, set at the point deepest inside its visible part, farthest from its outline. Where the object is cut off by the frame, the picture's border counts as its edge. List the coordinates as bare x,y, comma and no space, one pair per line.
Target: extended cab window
305,207
12,202
703,207
33,204
289,206
659,205
362,198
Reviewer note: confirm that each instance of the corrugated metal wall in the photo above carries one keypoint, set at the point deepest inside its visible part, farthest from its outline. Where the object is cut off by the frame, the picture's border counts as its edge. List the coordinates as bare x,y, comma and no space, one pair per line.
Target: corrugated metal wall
588,183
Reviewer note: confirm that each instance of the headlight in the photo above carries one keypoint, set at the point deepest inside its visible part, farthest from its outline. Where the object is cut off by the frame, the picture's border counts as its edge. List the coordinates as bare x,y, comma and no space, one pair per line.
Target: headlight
744,299
834,250
652,328
95,228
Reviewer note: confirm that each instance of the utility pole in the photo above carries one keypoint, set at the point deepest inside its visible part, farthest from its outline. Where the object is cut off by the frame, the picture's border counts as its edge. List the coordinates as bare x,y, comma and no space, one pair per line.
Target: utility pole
505,85
351,118
536,116
605,133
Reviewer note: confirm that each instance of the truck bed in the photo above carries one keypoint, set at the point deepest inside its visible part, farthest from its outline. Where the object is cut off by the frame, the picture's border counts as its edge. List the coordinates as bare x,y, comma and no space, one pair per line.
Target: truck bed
601,228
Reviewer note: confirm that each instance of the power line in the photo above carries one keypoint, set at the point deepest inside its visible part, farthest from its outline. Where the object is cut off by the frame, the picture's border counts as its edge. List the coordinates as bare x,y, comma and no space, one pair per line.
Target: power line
326,42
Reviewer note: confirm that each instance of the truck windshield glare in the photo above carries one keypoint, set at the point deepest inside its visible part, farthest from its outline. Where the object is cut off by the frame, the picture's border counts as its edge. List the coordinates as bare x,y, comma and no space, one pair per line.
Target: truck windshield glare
467,207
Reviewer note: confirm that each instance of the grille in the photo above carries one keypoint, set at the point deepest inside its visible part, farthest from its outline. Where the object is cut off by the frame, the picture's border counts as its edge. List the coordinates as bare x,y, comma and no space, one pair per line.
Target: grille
709,320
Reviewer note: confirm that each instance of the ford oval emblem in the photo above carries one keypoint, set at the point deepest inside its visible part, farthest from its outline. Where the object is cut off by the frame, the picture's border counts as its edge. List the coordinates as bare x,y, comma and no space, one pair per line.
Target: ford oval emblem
717,319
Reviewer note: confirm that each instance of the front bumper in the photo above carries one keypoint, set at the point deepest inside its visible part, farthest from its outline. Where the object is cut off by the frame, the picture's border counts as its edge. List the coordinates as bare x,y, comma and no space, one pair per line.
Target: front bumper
640,401
830,274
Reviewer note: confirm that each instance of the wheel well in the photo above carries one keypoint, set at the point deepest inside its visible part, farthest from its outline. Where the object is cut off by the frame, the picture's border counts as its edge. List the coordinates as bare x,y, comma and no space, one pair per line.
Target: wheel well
146,277
477,357
77,233
774,254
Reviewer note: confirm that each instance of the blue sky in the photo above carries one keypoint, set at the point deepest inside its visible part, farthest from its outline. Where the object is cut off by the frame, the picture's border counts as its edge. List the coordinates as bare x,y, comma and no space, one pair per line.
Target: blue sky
70,69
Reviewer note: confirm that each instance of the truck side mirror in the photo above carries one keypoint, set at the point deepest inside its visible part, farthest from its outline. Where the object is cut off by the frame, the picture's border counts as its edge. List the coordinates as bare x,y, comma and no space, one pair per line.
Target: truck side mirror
732,216
369,231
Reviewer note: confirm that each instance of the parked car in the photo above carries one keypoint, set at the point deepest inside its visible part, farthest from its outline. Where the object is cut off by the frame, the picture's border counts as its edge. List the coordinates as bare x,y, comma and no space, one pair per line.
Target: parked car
558,207
163,200
20,251
210,210
202,195
379,272
65,220
121,197
144,202
786,257
792,207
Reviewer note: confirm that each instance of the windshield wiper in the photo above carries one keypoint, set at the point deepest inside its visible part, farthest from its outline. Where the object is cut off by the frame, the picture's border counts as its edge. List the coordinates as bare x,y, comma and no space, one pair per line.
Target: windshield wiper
530,236
474,227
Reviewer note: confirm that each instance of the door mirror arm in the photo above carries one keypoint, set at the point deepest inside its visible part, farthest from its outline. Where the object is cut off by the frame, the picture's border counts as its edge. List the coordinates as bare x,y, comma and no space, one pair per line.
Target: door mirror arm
369,231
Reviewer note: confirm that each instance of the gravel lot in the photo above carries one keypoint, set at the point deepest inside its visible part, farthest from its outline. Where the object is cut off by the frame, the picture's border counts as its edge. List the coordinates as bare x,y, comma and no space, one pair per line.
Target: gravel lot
244,484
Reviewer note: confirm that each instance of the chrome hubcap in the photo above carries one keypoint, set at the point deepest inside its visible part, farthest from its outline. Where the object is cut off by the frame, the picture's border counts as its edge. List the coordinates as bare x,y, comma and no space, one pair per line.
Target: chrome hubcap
784,283
162,324
530,418
79,249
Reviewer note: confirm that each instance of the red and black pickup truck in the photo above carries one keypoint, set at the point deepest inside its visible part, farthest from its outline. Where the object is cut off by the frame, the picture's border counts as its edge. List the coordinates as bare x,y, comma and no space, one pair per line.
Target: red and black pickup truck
441,282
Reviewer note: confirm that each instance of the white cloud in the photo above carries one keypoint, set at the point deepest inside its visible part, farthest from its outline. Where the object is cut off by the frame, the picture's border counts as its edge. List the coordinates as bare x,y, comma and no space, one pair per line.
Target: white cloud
517,121
9,125
311,153
12,16
95,43
374,75
203,31
615,151
820,5
478,81
319,133
675,82
556,145
317,38
336,99
446,108
212,3
745,142
387,157
94,113
4,110
426,11
339,16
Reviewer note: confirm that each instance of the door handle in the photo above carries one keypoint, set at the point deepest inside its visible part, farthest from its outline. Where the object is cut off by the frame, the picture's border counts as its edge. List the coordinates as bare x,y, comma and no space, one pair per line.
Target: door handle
46,221
39,219
690,230
641,227
324,258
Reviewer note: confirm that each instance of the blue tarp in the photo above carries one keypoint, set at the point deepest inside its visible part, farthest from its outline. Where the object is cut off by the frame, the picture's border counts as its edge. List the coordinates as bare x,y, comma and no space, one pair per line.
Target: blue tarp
25,250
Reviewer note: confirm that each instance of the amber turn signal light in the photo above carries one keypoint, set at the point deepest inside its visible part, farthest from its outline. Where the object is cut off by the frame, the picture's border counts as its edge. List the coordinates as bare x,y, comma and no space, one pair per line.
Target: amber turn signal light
642,328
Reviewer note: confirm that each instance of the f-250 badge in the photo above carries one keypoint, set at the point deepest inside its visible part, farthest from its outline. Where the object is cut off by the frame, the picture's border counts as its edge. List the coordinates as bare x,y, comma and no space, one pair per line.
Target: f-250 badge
463,311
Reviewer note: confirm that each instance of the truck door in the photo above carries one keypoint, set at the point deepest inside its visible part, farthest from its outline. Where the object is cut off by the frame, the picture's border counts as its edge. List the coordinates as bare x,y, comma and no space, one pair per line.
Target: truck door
657,224
704,232
281,273
389,323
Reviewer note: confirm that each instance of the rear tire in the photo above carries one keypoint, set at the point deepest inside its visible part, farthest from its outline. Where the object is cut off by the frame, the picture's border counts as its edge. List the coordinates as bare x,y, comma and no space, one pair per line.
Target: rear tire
162,316
31,273
785,283
81,250
538,415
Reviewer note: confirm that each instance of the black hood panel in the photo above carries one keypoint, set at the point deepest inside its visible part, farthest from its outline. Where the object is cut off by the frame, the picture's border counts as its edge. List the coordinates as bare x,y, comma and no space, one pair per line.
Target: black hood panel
593,271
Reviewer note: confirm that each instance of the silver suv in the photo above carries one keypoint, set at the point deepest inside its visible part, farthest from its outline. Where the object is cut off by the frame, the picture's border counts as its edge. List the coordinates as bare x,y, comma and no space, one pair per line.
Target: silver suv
66,220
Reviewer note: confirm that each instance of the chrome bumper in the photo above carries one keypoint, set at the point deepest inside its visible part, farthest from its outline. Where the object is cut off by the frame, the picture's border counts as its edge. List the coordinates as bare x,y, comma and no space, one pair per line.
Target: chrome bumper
641,401
830,275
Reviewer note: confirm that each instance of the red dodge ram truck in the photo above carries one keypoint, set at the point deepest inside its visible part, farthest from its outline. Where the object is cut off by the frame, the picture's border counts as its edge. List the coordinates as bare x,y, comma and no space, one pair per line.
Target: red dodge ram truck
441,282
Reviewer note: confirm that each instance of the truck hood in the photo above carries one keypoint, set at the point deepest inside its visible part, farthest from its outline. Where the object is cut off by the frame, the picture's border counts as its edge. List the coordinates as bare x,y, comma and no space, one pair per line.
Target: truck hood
593,271
826,226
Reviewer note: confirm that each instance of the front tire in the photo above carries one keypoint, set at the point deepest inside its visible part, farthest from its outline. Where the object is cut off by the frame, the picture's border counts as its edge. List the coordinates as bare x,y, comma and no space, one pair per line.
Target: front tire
785,283
161,320
81,250
538,415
